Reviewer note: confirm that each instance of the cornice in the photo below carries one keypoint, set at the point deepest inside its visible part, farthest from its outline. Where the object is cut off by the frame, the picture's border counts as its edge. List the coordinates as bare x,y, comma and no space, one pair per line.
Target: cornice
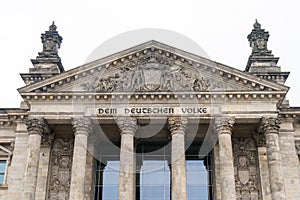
239,95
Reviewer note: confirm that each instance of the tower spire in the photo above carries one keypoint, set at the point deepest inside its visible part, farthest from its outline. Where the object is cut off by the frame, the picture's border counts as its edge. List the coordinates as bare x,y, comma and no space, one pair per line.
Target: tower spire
48,62
262,62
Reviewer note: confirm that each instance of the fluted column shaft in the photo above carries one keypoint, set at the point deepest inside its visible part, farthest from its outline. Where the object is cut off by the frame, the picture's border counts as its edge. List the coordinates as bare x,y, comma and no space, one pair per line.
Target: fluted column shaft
223,127
35,127
177,128
127,127
81,129
270,127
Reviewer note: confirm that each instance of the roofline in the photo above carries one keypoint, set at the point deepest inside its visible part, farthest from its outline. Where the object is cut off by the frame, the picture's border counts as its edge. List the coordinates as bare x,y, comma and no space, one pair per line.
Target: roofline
137,48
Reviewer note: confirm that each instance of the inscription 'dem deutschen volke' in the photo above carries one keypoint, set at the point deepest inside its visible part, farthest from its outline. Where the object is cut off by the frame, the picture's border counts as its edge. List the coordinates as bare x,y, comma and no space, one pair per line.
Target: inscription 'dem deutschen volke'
153,110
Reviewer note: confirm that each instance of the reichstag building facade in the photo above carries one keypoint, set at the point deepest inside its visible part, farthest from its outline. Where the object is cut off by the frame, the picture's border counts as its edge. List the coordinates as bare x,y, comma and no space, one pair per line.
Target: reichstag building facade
151,122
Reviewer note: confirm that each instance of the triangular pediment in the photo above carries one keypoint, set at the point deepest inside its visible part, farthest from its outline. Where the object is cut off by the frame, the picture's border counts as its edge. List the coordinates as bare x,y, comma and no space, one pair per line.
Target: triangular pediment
152,67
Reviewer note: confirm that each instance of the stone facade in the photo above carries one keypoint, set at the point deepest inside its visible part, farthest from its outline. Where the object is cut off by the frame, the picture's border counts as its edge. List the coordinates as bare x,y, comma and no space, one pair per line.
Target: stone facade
174,103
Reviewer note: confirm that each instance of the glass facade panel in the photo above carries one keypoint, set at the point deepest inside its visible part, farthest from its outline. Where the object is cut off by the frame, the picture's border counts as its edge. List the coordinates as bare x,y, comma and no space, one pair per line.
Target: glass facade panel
153,177
198,172
107,180
154,180
2,170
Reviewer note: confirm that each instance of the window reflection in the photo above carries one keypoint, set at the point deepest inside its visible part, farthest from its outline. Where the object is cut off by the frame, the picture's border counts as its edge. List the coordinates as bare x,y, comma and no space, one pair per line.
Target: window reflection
107,180
154,180
198,172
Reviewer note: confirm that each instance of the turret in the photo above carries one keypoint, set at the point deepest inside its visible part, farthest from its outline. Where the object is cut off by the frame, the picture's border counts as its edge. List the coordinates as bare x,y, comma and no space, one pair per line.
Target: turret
48,62
262,62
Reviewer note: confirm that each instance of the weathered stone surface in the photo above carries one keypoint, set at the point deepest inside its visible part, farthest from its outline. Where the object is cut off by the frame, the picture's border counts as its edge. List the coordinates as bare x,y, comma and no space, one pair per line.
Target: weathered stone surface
270,127
177,128
224,127
290,161
60,169
127,127
82,128
264,173
246,168
35,127
17,167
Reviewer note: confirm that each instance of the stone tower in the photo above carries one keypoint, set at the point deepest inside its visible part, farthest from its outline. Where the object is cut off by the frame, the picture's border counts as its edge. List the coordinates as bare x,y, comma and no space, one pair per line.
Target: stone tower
262,62
47,63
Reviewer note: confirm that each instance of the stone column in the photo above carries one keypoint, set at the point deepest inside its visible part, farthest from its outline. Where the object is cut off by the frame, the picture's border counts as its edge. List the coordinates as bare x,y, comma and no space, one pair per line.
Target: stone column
35,127
81,128
270,127
44,166
127,127
223,127
260,140
177,128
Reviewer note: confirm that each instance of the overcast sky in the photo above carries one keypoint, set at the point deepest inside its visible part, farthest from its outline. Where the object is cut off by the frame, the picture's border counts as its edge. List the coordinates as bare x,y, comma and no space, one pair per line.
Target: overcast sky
219,27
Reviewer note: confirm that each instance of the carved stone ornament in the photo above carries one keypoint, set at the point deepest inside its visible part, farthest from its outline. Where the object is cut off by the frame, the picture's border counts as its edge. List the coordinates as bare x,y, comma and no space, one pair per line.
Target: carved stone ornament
258,40
270,125
177,125
51,43
224,124
81,126
246,172
60,169
37,126
153,73
260,139
297,144
127,125
47,139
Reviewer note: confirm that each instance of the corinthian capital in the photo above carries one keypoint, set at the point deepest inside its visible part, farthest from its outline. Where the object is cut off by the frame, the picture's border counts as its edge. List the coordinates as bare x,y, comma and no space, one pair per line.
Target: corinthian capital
177,124
81,126
127,125
37,126
224,125
270,124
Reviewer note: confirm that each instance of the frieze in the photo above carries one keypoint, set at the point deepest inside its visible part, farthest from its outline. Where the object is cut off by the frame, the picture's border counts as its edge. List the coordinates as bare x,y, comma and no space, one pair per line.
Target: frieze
246,172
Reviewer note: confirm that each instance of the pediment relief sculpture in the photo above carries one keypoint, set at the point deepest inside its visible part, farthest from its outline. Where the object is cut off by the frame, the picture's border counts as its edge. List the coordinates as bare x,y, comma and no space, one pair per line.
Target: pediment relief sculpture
153,74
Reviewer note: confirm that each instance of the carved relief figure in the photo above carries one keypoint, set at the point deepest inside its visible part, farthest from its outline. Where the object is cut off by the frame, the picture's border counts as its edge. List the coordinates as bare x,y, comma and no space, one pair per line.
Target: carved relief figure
167,79
246,172
153,74
200,84
60,169
261,44
137,79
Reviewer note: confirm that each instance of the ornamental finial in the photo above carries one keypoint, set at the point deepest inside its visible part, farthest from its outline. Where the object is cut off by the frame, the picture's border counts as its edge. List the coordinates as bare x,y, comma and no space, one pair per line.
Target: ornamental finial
51,43
52,27
258,39
256,25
